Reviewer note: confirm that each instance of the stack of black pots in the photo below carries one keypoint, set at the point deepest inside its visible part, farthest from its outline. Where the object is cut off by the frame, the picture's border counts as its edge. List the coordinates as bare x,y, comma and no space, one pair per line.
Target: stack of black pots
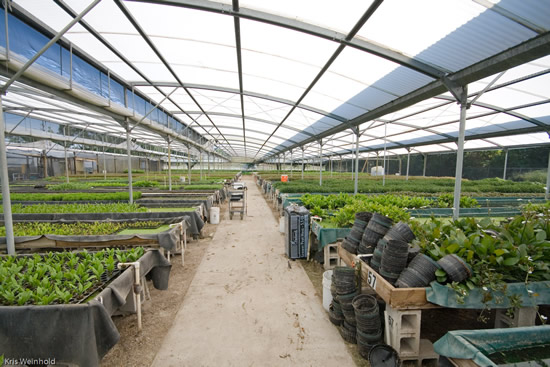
456,268
353,240
335,314
377,227
395,254
345,283
419,273
369,323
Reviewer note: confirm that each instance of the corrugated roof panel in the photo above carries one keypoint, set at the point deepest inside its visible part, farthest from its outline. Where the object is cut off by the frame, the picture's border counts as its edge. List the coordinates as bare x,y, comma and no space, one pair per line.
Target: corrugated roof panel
535,11
481,37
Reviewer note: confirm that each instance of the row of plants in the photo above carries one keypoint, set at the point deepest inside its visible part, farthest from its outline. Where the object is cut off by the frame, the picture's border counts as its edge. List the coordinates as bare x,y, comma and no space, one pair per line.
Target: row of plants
76,229
341,208
392,185
78,196
59,277
73,186
75,208
516,250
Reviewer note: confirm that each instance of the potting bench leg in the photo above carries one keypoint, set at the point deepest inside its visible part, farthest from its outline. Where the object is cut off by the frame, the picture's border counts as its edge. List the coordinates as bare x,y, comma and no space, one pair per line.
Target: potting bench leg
524,316
146,291
402,333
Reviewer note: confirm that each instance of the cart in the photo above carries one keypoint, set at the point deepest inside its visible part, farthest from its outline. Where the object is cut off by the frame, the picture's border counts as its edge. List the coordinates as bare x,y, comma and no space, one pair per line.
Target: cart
237,199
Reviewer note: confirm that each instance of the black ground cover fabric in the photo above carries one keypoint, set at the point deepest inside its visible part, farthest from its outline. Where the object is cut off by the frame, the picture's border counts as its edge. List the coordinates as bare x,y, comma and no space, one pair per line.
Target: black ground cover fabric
80,334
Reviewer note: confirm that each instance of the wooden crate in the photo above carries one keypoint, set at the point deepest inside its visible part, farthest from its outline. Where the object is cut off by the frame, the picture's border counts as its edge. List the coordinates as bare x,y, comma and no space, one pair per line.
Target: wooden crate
398,298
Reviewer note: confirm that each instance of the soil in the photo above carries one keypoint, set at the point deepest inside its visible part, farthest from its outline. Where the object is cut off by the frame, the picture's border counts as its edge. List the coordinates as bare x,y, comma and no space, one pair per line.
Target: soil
139,348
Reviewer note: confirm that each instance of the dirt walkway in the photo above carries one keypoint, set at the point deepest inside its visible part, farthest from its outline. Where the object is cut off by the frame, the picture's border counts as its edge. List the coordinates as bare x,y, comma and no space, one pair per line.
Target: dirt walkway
249,306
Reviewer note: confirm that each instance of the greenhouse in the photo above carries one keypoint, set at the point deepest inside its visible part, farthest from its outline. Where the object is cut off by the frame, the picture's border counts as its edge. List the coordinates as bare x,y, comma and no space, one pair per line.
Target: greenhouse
220,183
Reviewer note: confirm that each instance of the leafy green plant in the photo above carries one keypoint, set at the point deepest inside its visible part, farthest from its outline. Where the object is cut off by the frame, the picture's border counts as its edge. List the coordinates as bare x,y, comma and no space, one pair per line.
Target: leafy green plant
78,196
56,278
76,208
75,229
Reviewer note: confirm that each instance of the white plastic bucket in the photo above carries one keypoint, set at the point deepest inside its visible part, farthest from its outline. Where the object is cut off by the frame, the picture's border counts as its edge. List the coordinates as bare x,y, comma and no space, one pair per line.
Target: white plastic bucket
327,282
214,215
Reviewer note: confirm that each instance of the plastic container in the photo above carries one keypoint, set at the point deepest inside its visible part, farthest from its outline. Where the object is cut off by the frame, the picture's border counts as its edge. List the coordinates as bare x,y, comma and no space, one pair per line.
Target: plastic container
214,215
284,178
327,295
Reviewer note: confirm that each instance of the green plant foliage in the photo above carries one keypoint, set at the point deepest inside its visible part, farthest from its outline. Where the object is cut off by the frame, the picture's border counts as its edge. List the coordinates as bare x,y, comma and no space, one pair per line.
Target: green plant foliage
395,185
59,277
203,187
145,184
517,250
68,186
75,229
344,206
76,208
533,176
135,171
77,196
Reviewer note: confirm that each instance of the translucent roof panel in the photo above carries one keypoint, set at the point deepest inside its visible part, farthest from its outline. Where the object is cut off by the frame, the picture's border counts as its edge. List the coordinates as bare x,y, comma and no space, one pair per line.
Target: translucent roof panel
274,53
466,31
288,74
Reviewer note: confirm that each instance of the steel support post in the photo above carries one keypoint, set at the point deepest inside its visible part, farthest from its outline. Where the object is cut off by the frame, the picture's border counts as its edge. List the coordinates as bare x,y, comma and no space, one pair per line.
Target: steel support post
460,152
5,181
408,162
384,160
356,186
104,162
169,165
321,162
302,163
291,162
505,164
188,164
425,156
129,150
200,163
547,193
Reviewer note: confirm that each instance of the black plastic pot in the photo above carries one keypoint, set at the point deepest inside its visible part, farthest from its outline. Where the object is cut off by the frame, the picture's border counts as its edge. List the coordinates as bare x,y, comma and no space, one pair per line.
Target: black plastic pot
369,323
413,251
363,216
410,278
363,249
334,317
424,265
380,223
349,246
370,238
346,299
390,277
456,268
365,304
347,335
369,338
382,355
401,231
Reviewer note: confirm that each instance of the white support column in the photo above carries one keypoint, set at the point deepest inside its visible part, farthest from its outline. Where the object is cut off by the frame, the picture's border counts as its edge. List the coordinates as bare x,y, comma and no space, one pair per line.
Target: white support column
460,153
169,164
356,186
408,161
302,163
291,162
188,164
200,163
505,164
547,193
330,163
66,159
129,151
104,163
320,162
425,156
284,161
5,181
208,157
384,165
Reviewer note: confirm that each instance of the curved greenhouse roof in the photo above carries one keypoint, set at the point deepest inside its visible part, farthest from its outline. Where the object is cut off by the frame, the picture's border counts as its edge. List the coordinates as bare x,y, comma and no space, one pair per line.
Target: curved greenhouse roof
256,79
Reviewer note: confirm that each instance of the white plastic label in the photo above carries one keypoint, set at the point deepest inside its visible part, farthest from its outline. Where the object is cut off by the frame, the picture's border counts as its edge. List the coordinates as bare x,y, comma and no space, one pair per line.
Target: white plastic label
371,280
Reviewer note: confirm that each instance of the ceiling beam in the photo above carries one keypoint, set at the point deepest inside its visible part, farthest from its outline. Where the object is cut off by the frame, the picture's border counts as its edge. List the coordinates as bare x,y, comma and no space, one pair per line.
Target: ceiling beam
525,52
